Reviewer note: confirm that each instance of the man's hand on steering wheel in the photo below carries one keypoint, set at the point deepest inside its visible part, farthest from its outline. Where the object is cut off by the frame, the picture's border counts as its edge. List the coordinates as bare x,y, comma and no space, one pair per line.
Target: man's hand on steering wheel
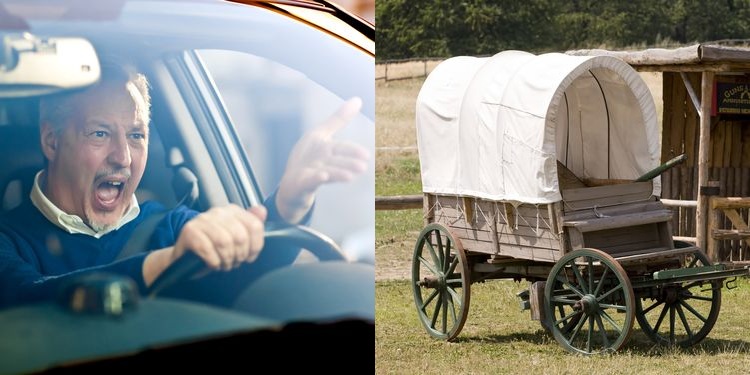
275,236
223,237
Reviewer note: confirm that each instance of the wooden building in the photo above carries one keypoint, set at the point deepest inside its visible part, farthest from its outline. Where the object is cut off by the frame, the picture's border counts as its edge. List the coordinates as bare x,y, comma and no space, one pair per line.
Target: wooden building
706,115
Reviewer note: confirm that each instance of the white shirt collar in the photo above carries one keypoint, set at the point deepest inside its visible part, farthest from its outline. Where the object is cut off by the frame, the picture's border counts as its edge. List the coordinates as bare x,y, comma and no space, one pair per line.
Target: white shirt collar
73,223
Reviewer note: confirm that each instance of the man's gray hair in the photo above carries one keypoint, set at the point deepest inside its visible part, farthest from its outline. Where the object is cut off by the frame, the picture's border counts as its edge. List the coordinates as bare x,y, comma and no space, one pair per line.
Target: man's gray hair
56,110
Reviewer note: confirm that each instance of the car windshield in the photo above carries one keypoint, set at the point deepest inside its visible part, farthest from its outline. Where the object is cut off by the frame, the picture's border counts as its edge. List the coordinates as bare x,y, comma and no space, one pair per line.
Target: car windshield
233,89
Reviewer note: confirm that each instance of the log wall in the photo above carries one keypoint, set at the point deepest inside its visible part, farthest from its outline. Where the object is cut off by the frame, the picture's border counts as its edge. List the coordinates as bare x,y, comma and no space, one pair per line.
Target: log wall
729,157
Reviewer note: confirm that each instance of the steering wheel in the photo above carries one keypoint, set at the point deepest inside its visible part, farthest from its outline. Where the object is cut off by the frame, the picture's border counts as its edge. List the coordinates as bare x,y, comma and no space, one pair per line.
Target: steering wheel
297,236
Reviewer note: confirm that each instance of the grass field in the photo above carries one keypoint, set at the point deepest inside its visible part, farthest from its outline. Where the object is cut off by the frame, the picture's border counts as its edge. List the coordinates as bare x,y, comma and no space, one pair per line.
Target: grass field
498,337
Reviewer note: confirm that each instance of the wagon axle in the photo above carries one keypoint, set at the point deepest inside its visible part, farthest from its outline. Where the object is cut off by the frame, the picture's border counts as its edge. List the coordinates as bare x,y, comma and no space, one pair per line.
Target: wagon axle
432,282
588,304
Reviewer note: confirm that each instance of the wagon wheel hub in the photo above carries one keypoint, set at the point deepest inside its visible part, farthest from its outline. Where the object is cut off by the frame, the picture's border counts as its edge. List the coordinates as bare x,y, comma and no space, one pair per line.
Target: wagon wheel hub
672,295
433,282
587,304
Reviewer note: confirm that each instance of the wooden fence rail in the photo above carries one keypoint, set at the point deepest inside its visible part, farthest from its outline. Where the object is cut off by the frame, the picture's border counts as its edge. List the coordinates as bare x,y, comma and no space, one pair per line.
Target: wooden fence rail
398,202
394,70
730,245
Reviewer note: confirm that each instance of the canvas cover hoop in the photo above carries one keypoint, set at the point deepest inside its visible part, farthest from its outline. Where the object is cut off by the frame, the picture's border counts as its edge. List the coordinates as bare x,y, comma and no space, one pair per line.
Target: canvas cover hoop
495,127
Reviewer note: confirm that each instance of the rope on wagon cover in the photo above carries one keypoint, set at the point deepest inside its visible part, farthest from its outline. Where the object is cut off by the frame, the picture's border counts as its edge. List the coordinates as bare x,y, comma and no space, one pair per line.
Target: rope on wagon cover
461,213
539,218
478,208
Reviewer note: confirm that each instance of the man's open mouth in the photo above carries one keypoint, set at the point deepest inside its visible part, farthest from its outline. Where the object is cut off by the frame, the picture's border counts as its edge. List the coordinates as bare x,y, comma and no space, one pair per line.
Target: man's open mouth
108,192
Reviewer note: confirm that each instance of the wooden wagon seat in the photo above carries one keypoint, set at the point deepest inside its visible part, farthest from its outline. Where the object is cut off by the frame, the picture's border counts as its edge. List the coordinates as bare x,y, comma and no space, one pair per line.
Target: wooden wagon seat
622,217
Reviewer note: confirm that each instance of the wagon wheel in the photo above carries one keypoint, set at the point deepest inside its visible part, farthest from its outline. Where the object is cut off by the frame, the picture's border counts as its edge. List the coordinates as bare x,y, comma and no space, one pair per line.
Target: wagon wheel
681,314
589,302
440,280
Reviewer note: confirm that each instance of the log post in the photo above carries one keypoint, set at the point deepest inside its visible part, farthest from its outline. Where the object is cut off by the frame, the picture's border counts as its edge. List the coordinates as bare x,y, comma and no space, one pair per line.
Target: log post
704,159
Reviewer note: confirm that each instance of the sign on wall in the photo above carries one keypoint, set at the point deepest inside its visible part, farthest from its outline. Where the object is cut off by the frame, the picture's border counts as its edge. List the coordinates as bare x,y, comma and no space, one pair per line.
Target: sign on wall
731,98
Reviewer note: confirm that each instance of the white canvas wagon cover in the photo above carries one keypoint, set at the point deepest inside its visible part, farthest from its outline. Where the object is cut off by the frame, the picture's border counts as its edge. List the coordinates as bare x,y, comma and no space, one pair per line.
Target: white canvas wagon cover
493,127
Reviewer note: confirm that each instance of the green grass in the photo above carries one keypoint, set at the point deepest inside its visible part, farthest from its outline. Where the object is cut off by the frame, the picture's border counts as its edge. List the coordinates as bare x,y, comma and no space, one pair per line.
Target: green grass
499,338
396,231
400,176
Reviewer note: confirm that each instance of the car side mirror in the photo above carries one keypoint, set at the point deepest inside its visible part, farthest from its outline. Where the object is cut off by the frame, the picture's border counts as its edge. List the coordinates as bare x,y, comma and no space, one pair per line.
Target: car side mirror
31,66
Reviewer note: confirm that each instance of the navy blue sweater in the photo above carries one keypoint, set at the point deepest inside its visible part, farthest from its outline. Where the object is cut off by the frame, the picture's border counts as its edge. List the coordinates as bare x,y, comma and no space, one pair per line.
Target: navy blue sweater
36,256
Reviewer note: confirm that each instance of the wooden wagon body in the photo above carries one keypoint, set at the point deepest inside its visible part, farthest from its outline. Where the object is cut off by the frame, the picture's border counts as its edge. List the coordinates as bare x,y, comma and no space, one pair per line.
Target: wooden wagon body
545,168
624,220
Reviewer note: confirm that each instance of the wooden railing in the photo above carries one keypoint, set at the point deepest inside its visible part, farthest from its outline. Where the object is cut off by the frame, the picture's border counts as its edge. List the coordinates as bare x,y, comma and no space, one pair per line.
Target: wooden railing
398,202
730,245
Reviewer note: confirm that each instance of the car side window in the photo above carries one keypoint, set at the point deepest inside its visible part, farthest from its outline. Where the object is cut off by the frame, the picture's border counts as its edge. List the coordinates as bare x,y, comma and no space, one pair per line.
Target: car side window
271,105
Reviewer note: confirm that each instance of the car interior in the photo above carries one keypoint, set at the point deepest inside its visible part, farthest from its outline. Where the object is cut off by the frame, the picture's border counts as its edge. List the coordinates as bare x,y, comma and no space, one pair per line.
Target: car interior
195,160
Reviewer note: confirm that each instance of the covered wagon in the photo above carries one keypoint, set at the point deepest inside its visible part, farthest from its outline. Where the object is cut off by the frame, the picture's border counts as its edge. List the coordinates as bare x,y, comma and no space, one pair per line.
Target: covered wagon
546,168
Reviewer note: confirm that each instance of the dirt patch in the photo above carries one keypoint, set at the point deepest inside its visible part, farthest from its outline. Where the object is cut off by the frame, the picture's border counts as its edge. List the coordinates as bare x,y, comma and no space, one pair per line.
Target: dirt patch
396,266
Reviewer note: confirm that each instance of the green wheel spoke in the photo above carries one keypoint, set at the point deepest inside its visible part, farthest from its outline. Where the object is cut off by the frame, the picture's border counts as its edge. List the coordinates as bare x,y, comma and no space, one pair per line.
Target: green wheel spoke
694,312
700,298
692,285
612,322
616,307
560,310
600,324
655,305
578,276
591,274
590,334
661,317
568,326
671,324
447,255
433,254
578,327
452,267
563,301
429,299
435,313
601,282
567,317
572,288
684,321
455,298
429,266
455,282
445,311
450,303
575,290
441,256
605,295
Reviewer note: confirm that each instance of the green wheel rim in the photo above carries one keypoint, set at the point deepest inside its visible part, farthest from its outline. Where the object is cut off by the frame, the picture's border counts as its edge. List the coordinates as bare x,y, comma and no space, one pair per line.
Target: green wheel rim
681,314
589,302
440,281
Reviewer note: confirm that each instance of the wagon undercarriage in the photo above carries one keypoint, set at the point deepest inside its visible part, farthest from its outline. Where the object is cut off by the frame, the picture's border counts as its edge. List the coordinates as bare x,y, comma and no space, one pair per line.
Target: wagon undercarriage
588,299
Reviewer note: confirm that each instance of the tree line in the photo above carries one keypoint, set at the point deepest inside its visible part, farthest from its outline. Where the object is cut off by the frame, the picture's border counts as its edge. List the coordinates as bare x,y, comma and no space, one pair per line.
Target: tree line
445,28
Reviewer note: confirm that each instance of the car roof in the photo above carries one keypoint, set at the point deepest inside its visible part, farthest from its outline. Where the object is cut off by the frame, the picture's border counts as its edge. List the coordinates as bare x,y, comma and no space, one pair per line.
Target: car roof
323,15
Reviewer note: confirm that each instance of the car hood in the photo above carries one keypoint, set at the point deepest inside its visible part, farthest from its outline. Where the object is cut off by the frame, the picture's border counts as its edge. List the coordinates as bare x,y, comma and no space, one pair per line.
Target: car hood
44,336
